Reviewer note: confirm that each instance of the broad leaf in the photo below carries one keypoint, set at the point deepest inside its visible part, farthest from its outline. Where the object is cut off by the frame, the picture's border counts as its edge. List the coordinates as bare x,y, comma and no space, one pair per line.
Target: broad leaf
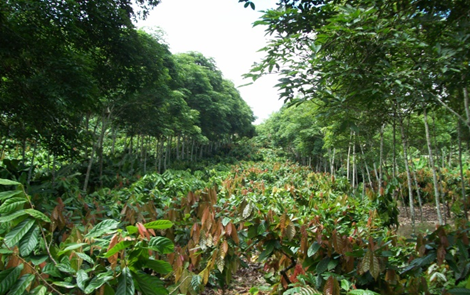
20,286
159,266
9,194
18,232
39,290
149,285
12,216
459,291
8,182
9,277
37,215
85,257
71,247
97,282
82,277
65,285
118,247
12,204
159,224
29,241
312,250
162,245
104,227
126,283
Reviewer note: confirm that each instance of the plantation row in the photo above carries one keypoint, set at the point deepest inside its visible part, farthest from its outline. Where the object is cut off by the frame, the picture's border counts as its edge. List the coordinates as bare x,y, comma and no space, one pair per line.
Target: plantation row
181,232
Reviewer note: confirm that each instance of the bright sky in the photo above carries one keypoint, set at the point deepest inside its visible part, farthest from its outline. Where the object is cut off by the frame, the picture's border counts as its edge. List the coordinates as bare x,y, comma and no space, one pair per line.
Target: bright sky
222,30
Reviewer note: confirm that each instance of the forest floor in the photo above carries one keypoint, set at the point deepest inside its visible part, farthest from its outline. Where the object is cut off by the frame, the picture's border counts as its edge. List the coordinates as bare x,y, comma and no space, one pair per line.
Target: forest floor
253,276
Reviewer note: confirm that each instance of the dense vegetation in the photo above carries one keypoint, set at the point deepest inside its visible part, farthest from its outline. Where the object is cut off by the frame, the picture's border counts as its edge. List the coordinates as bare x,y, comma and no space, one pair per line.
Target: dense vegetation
126,168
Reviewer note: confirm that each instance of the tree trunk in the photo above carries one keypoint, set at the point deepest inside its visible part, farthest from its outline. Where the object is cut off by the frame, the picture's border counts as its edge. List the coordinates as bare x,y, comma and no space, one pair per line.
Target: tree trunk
349,157
354,165
100,147
431,162
31,166
114,132
408,174
367,170
418,192
90,161
462,182
381,159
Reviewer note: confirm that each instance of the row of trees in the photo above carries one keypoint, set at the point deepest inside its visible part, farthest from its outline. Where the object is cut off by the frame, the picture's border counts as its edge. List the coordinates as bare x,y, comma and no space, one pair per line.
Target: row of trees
78,77
370,75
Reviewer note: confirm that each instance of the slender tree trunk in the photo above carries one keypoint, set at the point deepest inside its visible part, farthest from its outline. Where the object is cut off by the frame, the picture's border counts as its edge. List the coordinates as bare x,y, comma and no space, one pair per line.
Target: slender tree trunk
31,166
381,160
354,165
160,155
90,161
349,157
431,162
100,147
144,149
192,149
462,177
408,174
394,166
53,170
131,144
178,147
114,132
418,192
367,169
466,103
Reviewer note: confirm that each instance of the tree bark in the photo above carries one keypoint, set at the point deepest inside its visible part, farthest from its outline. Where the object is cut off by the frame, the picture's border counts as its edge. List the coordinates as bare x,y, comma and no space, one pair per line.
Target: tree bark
408,175
90,161
431,162
462,182
381,159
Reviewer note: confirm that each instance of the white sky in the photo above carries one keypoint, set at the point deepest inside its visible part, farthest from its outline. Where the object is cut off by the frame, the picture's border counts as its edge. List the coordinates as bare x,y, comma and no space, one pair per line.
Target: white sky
222,30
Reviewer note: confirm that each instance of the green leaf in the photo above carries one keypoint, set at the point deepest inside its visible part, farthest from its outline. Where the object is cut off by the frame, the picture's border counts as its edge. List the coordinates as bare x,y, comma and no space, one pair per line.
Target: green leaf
459,291
37,215
226,221
8,182
85,257
12,216
323,265
6,251
107,226
196,282
29,241
126,283
159,266
159,224
71,247
131,229
118,247
39,290
20,286
9,277
65,267
313,249
64,285
18,232
12,204
362,292
9,194
82,277
97,282
162,245
149,285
